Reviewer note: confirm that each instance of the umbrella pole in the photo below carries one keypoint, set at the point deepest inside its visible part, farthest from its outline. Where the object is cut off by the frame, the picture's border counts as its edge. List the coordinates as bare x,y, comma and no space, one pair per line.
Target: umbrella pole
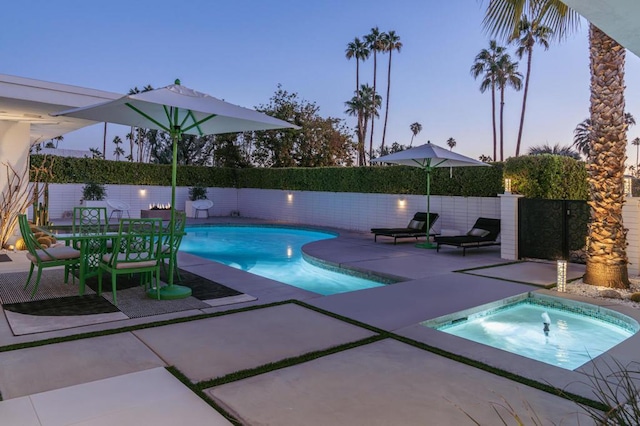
172,291
428,244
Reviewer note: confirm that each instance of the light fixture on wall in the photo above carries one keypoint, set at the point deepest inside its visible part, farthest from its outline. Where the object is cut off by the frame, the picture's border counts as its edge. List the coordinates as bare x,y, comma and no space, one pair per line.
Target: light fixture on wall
290,198
143,193
627,186
402,202
562,276
507,185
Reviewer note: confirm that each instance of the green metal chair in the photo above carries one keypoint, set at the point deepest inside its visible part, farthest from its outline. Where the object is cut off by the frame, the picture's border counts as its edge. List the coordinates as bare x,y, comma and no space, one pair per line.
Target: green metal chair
170,247
136,250
90,220
46,257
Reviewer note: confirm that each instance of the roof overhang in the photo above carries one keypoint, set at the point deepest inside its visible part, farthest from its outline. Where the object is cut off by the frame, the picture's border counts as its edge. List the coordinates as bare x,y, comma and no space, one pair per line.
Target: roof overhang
31,101
619,19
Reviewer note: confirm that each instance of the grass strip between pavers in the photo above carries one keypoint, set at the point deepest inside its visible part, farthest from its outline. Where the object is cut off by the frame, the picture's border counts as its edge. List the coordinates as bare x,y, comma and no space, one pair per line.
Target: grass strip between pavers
198,391
382,334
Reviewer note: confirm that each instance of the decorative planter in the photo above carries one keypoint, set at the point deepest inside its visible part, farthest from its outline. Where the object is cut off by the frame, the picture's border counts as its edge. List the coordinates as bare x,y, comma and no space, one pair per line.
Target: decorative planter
188,207
160,214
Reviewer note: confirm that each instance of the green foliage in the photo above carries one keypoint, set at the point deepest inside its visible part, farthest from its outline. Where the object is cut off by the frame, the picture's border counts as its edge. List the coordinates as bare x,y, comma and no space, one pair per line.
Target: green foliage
197,193
547,176
94,192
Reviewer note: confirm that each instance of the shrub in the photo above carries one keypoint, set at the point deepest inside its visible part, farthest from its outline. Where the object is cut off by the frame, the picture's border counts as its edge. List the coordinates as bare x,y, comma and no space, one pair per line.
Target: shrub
635,297
94,192
197,193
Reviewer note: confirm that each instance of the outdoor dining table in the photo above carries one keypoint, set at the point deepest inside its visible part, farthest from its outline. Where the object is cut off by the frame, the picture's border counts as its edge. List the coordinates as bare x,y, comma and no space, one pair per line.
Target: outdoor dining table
91,249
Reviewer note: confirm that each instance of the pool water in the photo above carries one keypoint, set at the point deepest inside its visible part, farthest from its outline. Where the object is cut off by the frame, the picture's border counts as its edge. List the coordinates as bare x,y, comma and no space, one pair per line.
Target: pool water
573,339
271,252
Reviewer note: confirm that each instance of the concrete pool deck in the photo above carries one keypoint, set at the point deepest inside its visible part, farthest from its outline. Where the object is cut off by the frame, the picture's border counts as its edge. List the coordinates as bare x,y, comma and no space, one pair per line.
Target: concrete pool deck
379,379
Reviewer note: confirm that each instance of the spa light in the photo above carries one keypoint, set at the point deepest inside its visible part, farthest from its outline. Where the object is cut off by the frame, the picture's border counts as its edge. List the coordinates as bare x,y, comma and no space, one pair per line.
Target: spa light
562,276
507,185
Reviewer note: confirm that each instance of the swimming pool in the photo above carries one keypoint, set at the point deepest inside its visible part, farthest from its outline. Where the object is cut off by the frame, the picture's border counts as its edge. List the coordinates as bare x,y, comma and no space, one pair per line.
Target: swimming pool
574,332
271,252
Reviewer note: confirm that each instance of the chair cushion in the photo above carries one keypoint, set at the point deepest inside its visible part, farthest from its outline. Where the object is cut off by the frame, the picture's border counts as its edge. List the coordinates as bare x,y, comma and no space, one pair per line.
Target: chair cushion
63,252
122,264
478,232
416,224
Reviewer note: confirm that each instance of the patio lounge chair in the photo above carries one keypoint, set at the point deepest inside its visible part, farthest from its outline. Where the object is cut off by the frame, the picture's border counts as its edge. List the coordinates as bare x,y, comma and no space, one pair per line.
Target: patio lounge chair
417,227
485,232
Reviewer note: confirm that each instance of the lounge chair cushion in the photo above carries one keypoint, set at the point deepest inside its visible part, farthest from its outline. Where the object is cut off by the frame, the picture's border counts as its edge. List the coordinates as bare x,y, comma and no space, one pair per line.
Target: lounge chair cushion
416,224
478,232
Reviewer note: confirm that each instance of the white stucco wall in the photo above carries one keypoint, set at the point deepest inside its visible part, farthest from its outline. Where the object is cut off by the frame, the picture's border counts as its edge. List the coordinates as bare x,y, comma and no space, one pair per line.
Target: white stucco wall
14,150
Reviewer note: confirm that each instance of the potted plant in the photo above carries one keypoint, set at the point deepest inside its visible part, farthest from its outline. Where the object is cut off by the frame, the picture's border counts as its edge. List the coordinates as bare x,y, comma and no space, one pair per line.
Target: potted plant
94,194
195,193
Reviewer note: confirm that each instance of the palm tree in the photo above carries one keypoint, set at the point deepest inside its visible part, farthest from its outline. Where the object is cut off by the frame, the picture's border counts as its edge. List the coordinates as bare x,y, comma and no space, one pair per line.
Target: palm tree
375,42
359,50
104,138
582,137
485,65
636,142
485,158
565,151
606,252
530,34
506,75
118,151
415,129
391,42
451,142
365,103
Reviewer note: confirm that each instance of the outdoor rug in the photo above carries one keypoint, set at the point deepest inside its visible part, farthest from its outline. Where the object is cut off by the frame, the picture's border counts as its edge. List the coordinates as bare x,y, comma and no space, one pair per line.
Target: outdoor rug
57,305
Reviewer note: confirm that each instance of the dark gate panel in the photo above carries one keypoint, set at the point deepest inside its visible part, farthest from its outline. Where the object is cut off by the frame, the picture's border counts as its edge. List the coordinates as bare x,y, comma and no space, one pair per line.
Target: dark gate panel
552,229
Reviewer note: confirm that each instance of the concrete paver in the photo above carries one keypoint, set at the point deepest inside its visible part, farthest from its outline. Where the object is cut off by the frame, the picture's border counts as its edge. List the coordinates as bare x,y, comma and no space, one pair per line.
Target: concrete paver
215,347
384,383
32,370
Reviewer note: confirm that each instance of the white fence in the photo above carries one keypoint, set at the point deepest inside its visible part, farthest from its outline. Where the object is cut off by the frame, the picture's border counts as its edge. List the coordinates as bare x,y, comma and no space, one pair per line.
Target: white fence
343,210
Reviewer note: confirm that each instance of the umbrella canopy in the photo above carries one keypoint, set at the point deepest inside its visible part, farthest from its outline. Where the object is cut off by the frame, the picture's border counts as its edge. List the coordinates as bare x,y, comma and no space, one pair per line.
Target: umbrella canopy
428,157
178,110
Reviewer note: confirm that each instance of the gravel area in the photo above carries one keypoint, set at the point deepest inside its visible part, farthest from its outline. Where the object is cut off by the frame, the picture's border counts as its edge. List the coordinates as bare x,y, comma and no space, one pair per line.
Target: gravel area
620,295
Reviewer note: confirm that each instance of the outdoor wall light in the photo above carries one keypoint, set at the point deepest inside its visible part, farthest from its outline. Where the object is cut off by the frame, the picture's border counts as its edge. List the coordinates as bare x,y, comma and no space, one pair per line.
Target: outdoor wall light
402,202
507,185
143,193
290,197
627,186
562,276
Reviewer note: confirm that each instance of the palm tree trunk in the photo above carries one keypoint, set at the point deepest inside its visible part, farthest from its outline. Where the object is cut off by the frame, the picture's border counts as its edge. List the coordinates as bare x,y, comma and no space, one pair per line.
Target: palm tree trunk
524,101
637,148
360,134
501,123
493,119
386,110
373,116
606,250
104,141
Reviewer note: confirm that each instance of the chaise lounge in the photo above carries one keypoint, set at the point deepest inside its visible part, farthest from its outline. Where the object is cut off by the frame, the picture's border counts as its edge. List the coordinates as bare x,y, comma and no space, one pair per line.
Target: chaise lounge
485,232
417,227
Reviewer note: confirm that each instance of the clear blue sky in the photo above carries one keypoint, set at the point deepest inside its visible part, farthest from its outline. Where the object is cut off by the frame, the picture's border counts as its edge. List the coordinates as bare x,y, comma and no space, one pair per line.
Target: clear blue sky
241,50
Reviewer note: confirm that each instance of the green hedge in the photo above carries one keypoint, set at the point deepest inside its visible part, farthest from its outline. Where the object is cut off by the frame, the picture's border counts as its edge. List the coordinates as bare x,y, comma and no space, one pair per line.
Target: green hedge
542,176
547,176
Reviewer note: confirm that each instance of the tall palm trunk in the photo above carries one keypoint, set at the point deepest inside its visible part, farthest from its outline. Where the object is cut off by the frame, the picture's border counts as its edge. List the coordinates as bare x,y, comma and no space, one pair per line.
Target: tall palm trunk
386,109
502,123
606,251
104,141
360,118
493,119
524,99
373,117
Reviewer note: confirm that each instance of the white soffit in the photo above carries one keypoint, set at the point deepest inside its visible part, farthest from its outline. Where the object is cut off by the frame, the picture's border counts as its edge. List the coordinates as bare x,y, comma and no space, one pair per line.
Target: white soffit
31,101
619,19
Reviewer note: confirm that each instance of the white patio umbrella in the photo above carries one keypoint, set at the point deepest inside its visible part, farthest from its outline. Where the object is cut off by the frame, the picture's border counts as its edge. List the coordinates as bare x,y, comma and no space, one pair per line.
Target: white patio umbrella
428,157
178,110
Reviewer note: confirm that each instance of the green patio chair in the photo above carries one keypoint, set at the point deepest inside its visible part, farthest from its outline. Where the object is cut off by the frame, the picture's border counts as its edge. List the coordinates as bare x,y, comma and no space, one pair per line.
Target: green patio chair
46,257
170,247
136,250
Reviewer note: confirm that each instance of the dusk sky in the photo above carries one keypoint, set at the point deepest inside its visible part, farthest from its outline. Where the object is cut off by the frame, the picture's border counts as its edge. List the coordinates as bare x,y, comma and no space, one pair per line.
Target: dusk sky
240,51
